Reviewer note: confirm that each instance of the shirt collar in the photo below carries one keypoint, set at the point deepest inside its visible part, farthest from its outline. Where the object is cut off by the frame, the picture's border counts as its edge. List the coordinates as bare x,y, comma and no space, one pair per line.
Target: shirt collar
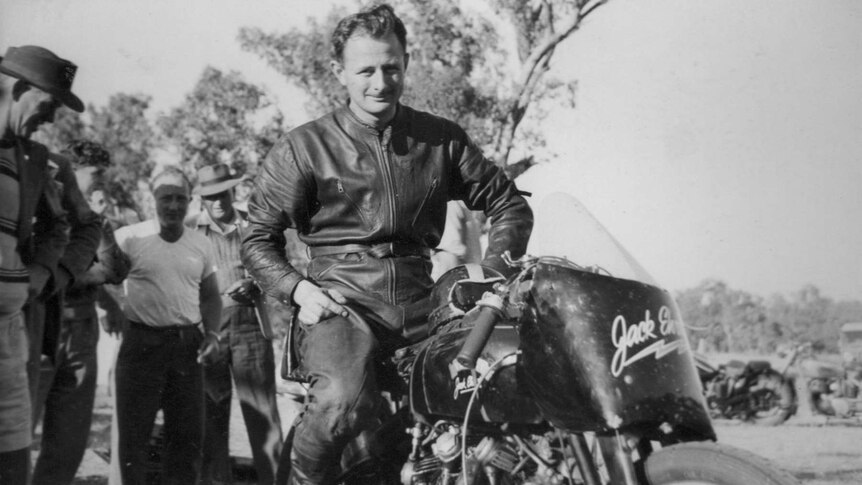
204,219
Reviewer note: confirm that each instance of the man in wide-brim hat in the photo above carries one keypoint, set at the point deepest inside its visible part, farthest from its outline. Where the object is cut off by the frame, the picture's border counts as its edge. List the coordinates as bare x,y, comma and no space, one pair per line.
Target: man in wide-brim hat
43,81
34,83
247,351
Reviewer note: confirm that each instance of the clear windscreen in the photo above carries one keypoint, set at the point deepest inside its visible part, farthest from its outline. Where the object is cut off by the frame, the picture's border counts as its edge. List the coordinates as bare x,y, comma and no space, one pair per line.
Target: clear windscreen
564,228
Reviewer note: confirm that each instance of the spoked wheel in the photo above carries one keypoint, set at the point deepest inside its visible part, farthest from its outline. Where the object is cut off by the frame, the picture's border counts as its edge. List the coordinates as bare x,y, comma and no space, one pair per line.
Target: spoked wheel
775,403
710,463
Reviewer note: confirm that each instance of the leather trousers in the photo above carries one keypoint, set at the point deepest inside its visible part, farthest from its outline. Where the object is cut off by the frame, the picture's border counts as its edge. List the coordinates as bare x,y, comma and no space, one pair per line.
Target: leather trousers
338,357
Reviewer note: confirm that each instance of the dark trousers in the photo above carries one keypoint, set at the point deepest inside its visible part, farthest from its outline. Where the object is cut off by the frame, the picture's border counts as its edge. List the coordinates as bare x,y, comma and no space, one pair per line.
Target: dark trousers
157,368
35,313
338,355
15,467
67,390
249,357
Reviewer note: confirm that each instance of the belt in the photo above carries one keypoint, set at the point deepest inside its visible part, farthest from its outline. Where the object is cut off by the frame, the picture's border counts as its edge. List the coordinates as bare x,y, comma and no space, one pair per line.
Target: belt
163,329
383,250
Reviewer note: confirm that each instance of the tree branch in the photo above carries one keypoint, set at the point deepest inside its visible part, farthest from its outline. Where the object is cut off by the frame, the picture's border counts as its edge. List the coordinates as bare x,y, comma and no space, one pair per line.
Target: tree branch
535,67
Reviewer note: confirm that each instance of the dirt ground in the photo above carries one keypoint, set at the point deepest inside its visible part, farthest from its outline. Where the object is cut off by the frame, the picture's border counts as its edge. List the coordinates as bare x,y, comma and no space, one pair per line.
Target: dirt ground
815,451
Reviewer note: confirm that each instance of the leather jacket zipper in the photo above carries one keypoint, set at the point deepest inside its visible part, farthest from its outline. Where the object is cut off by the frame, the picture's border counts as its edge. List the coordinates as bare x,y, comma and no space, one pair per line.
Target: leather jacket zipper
428,194
356,207
389,186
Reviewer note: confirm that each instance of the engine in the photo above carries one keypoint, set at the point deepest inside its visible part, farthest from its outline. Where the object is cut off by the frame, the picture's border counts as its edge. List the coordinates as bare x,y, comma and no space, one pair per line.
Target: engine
437,457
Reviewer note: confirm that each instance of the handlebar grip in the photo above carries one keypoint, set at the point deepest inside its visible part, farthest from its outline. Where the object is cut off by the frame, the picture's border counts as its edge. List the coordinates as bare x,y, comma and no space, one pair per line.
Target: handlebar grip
478,337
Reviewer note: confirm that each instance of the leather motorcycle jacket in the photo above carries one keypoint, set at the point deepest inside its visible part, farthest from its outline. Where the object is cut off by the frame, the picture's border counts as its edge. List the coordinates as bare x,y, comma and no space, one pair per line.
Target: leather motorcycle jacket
371,204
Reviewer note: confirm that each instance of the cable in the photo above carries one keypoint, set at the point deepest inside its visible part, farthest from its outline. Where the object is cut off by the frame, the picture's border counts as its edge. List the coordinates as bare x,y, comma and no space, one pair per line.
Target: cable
487,375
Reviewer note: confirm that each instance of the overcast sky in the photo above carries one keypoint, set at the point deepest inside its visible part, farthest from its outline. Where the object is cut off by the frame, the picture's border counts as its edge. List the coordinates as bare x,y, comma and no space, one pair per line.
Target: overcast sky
713,138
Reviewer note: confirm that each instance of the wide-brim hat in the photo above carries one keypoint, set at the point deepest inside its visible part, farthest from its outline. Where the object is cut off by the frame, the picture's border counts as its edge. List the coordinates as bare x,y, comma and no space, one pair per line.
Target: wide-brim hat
215,179
43,69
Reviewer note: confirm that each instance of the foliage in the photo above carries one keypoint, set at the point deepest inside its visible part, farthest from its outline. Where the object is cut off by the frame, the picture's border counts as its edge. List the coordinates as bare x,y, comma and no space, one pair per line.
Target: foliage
459,67
123,129
303,58
731,320
68,125
224,119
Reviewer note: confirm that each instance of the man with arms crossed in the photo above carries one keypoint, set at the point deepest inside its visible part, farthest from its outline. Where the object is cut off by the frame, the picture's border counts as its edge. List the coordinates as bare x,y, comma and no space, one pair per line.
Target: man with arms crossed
366,188
170,290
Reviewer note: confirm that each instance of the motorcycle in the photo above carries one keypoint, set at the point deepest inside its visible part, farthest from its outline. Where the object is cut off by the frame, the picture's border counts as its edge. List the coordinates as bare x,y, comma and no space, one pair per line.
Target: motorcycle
751,391
562,373
834,388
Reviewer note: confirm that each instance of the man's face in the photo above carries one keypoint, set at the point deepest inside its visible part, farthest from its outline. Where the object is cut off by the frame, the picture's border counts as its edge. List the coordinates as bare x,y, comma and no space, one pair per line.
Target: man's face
219,206
172,203
98,202
372,70
31,109
85,176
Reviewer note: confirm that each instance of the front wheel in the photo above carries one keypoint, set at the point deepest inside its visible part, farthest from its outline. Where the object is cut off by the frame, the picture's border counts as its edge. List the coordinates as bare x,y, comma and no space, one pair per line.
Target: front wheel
710,463
775,402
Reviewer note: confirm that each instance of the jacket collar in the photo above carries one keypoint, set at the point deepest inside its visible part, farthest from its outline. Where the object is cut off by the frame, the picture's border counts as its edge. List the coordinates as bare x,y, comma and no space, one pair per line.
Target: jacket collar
360,129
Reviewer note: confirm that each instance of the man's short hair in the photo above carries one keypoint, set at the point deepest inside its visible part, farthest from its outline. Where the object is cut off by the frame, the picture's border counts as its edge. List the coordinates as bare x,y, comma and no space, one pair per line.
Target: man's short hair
170,171
86,153
376,21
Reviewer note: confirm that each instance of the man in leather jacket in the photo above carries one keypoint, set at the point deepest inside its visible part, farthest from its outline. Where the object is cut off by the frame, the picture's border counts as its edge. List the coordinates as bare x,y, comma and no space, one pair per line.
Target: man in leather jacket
366,188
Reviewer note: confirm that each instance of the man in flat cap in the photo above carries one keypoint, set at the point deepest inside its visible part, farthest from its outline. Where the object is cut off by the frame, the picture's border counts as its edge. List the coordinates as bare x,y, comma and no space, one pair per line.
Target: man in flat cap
34,233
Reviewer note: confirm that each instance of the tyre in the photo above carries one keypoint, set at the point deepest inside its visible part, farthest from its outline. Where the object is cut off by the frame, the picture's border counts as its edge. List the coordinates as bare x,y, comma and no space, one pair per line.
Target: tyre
776,402
707,463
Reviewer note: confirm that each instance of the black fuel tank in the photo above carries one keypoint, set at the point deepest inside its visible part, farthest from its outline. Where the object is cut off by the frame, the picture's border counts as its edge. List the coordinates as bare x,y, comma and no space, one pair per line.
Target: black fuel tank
602,353
439,389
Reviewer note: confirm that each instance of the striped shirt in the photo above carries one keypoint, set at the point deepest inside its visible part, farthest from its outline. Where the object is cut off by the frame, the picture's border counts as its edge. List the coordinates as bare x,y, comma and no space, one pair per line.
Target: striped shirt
14,276
226,245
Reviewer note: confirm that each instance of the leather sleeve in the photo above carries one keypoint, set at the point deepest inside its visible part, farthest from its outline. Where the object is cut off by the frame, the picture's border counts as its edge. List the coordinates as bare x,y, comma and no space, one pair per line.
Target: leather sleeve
86,225
278,202
485,186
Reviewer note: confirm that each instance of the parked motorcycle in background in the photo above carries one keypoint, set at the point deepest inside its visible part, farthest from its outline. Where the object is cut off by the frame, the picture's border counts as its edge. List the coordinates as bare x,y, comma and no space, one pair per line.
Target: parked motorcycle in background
750,391
575,370
834,388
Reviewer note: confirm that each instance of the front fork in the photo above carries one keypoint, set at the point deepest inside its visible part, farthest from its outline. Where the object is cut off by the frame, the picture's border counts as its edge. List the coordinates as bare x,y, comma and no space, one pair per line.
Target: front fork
618,453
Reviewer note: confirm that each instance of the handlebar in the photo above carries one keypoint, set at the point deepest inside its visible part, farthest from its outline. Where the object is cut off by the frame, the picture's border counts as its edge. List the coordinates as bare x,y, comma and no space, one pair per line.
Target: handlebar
489,314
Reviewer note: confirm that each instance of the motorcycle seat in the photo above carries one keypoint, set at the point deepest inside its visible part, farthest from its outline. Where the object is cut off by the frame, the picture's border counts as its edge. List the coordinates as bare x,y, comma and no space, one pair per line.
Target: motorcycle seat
817,369
758,366
734,368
